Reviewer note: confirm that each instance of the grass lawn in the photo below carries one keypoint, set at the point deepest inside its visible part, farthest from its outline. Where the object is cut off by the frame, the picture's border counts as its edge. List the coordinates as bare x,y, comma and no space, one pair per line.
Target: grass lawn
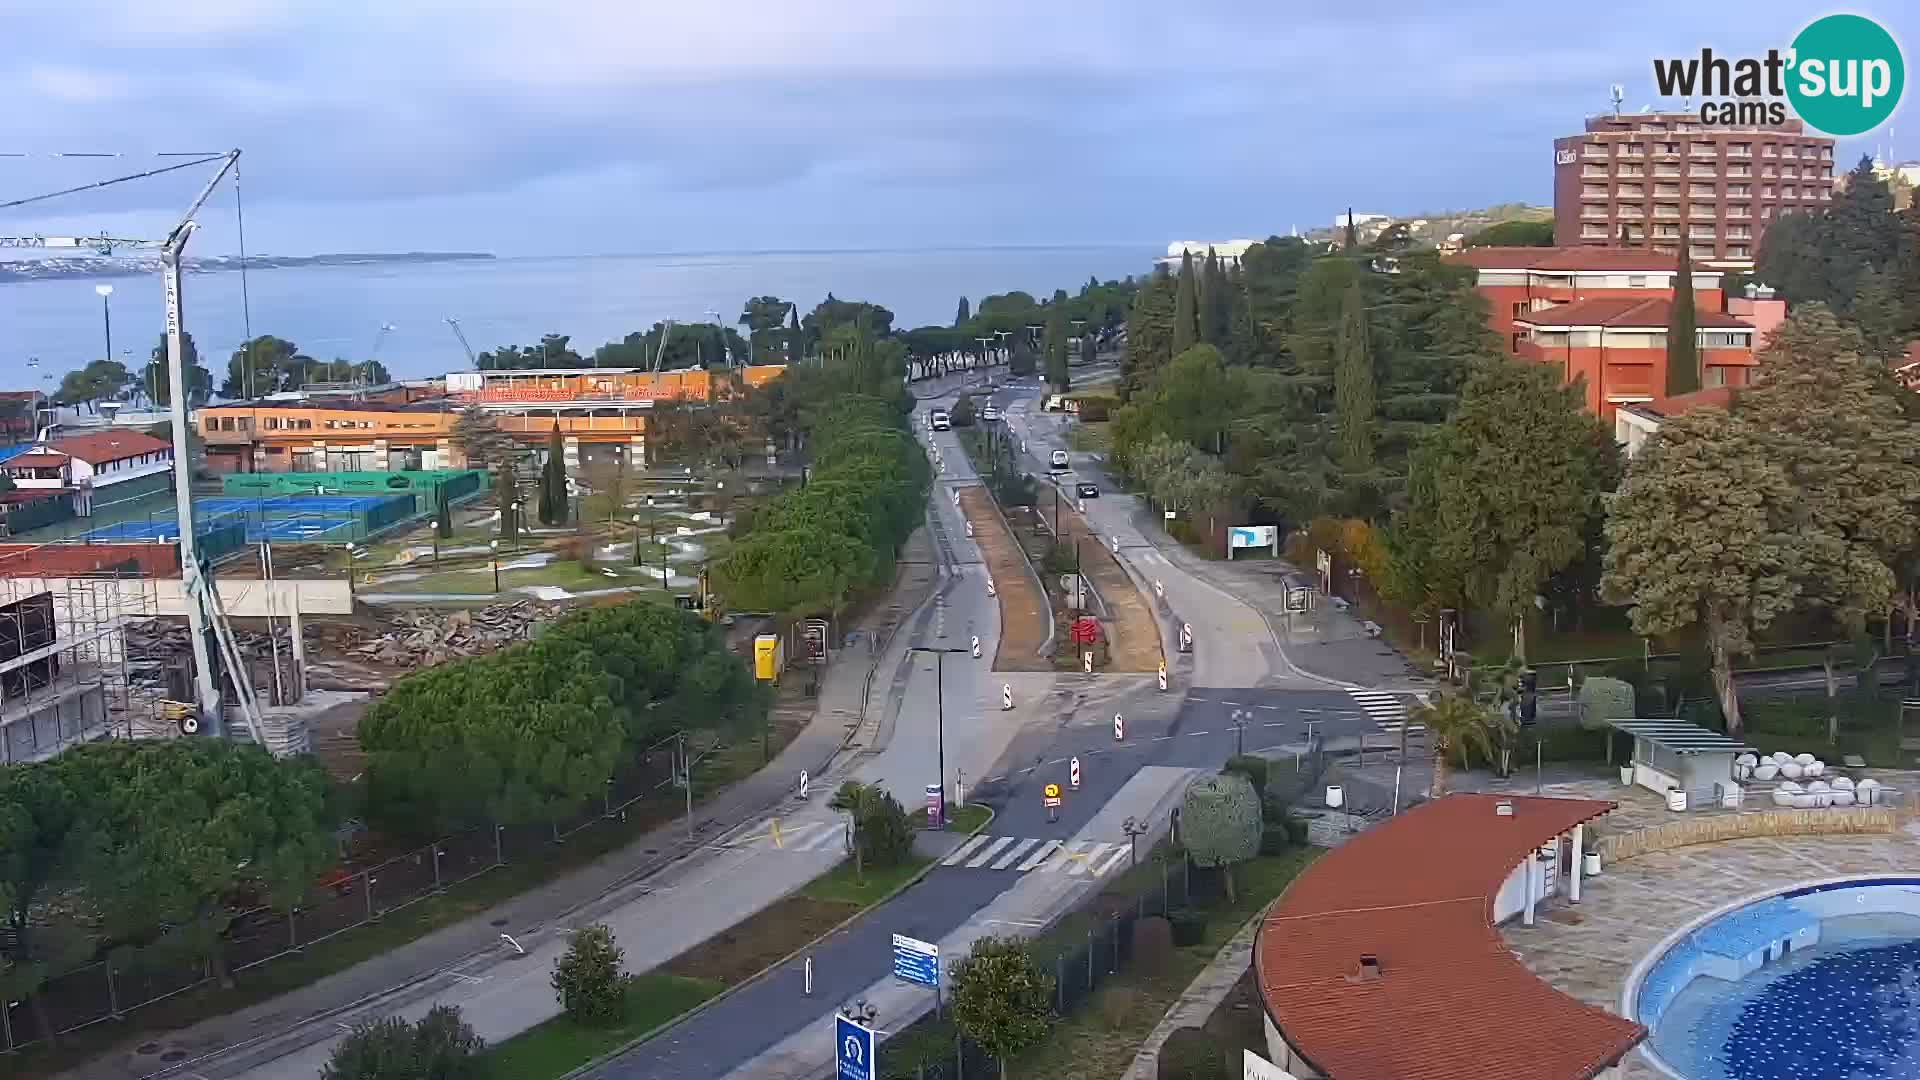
561,1045
1095,437
841,885
1099,1040
966,820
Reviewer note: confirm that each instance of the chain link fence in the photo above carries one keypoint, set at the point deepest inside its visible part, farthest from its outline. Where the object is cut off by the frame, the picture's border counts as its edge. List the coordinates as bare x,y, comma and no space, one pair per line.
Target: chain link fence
132,978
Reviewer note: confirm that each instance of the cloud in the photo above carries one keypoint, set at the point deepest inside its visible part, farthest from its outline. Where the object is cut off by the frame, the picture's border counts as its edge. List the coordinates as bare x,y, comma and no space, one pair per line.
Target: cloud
713,123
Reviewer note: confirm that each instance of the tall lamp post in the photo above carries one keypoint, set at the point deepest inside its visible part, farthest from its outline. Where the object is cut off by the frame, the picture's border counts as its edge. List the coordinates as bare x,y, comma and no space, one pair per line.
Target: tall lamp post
105,292
637,549
1239,718
940,718
494,546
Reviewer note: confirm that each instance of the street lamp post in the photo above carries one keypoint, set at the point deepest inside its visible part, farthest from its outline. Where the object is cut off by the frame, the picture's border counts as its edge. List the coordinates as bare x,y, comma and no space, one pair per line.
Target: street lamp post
105,293
494,546
1240,718
1135,829
940,719
518,521
637,560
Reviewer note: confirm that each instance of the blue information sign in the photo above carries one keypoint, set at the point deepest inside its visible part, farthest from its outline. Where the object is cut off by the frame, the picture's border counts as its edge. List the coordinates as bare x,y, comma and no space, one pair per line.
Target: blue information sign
916,961
852,1050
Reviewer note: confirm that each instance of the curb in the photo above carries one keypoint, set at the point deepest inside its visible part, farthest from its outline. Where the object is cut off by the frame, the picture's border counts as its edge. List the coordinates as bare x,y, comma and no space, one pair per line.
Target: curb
1046,647
582,1070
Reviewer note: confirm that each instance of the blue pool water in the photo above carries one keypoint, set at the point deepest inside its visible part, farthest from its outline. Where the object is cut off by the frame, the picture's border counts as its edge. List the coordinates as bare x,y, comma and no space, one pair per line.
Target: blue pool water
1847,1008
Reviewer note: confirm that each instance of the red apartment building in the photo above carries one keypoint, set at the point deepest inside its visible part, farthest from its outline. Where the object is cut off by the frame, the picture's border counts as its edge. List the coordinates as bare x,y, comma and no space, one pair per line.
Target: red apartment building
1656,179
1601,314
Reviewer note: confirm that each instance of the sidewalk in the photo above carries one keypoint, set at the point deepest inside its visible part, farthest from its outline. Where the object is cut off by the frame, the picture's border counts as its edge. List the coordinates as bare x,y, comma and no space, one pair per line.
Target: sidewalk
1326,642
844,690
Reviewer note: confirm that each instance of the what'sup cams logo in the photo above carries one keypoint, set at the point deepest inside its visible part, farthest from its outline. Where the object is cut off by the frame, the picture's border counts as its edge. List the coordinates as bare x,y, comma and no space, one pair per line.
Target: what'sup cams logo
1843,76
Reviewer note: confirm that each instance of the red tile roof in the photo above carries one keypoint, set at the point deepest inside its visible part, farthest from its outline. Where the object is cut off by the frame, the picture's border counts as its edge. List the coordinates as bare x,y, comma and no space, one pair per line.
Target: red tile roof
1653,313
97,447
1451,1001
1566,259
1715,397
34,461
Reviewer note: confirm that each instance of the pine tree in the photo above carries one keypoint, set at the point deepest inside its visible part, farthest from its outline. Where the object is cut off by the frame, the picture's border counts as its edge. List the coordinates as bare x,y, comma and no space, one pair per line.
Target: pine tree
1353,384
1186,313
961,316
1683,346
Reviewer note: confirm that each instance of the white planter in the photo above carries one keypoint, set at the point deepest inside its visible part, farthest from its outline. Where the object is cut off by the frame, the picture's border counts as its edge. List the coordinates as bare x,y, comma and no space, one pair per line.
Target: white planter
1626,775
1591,864
1676,799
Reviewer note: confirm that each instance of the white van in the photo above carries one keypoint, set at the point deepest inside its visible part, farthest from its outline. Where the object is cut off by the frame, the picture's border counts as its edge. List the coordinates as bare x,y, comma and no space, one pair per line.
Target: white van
1058,463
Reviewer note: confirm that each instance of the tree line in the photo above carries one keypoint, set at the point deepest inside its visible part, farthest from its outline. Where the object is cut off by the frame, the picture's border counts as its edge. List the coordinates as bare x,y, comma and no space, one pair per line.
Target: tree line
261,366
1359,399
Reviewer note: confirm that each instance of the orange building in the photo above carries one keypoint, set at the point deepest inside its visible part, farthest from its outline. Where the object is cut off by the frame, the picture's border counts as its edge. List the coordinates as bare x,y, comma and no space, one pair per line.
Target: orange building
602,414
1518,281
1619,346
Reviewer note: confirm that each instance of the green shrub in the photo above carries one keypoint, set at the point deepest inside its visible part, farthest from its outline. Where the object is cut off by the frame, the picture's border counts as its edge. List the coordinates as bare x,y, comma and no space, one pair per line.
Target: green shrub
1220,823
1251,766
1152,944
1189,926
1275,838
440,1047
1296,829
1603,699
587,977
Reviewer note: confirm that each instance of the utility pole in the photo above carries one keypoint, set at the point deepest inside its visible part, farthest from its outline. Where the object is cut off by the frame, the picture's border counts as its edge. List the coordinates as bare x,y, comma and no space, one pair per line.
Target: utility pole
940,716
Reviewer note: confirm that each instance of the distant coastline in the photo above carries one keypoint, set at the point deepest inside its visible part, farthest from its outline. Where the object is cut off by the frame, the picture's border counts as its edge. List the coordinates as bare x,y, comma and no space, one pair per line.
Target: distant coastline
140,263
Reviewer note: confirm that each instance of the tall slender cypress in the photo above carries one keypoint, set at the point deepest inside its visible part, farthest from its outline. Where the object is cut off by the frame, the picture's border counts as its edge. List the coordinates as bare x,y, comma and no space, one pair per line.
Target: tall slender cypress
1683,347
1186,307
1353,384
961,316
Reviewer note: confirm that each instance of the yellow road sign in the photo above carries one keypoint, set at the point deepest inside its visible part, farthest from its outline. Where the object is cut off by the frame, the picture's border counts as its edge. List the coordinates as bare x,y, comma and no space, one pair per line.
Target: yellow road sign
1053,791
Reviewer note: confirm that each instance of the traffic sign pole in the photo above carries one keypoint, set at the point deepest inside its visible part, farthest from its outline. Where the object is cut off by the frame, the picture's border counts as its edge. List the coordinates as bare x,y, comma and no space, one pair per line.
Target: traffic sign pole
1119,728
1073,774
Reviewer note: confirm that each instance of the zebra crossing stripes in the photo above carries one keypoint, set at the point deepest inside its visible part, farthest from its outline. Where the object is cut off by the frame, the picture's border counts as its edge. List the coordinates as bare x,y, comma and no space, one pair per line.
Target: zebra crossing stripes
1387,710
1027,855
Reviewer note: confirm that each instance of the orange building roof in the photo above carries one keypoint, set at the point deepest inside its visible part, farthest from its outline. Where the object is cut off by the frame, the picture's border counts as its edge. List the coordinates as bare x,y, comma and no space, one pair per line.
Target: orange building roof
1567,259
96,447
1451,1002
34,461
1624,312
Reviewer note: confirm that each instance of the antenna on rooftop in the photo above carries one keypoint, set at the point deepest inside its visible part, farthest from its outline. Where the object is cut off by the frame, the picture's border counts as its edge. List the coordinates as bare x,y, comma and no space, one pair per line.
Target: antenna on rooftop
1618,93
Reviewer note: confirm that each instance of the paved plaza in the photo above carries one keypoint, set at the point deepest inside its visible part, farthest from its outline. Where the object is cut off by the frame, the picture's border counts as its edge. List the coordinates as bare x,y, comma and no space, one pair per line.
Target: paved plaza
1588,949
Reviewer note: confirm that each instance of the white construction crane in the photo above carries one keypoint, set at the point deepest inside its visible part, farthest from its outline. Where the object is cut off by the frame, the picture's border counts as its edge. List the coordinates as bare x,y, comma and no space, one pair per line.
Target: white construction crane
206,615
457,332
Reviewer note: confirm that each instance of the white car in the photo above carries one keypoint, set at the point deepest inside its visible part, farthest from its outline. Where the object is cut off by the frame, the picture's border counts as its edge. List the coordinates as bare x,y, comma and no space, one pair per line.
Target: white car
990,413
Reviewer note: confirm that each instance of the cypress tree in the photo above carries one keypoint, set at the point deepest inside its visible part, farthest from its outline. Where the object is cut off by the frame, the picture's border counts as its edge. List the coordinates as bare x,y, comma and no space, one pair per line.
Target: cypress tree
506,492
1186,308
1215,300
961,316
1353,232
1089,352
553,480
796,341
1683,348
1057,341
1353,384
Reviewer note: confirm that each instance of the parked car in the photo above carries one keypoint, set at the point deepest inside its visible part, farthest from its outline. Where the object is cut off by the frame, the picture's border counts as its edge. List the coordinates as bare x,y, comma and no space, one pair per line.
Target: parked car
1087,491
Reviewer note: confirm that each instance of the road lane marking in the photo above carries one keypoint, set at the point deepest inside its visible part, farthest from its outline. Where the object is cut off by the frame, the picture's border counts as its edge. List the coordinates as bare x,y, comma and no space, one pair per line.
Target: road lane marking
1113,860
963,850
1046,852
993,849
1018,850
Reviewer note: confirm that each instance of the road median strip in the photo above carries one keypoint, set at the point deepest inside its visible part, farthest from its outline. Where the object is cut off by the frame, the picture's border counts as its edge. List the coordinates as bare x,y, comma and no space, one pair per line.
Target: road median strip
836,887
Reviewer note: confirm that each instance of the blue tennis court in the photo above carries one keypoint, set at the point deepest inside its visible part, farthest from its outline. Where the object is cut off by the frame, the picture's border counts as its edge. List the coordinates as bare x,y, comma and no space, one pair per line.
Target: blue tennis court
313,527
297,504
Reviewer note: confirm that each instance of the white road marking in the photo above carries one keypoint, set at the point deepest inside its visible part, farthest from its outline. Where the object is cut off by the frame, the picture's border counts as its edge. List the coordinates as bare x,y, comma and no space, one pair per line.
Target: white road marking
963,850
992,849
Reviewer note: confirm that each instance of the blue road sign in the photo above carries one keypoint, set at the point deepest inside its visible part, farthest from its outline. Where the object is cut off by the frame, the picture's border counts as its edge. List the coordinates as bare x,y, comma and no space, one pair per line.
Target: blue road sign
853,1050
916,961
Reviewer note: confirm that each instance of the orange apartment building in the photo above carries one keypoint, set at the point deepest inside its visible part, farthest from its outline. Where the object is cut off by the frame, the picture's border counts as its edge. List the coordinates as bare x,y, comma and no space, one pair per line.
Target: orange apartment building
601,413
1602,314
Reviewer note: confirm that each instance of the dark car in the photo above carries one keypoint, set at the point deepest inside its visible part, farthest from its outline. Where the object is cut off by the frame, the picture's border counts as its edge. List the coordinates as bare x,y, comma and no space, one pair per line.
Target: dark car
1087,491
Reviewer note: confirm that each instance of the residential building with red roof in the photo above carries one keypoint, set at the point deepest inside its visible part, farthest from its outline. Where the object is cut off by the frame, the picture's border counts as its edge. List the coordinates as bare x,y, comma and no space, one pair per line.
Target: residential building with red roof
1618,345
98,468
1635,423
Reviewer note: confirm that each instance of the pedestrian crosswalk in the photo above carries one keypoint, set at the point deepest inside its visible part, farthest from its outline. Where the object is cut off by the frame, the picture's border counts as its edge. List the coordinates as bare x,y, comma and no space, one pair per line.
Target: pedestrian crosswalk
1388,710
1024,854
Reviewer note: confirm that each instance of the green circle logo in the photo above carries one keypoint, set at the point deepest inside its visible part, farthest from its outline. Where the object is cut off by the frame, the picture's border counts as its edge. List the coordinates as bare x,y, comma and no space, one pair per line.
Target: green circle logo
1847,75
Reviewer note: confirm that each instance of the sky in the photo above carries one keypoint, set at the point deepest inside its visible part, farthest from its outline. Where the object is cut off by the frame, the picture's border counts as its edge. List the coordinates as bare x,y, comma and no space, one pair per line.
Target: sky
595,126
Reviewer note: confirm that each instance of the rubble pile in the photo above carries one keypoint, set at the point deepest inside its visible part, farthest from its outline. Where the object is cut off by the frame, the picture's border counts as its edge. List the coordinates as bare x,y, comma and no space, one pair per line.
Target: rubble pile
422,638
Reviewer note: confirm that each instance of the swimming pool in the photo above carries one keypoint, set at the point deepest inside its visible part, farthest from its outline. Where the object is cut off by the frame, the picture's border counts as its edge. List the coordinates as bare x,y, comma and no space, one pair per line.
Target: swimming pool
1818,981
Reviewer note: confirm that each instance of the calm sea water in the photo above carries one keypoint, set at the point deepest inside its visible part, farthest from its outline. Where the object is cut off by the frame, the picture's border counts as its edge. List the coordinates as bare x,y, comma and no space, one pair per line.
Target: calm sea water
338,311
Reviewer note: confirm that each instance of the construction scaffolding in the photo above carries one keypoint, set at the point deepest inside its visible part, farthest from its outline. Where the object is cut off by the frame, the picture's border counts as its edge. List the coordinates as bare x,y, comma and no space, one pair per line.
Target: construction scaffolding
65,673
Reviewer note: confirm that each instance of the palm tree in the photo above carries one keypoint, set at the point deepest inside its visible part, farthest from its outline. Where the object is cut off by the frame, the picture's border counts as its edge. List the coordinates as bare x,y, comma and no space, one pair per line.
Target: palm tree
852,799
1455,723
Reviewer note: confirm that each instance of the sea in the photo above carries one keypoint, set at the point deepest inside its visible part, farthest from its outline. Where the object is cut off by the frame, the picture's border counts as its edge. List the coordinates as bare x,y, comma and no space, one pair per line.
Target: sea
51,326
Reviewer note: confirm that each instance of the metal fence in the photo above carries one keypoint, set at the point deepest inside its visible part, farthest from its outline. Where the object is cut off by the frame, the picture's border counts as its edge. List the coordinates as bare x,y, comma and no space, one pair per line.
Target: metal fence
132,978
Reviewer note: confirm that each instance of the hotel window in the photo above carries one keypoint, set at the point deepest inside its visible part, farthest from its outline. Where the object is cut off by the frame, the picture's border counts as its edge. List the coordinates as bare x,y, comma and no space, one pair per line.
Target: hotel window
1724,339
